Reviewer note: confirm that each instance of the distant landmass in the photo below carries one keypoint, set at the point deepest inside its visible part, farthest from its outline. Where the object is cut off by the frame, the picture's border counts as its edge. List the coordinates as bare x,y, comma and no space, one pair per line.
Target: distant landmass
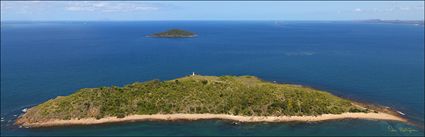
238,98
174,33
413,22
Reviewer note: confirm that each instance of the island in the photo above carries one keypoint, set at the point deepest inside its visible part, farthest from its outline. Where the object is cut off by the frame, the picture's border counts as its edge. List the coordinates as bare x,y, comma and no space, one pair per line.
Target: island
173,33
195,97
411,22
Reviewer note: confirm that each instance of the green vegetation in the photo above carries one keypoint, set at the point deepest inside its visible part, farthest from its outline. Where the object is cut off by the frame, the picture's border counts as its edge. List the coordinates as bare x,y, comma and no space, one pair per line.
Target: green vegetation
237,95
174,33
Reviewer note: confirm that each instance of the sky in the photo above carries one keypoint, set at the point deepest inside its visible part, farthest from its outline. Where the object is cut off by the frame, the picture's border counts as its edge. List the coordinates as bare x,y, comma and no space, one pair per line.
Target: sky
209,10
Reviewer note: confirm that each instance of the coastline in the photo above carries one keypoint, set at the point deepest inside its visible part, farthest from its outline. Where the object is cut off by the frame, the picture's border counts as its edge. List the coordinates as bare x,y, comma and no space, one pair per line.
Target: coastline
248,119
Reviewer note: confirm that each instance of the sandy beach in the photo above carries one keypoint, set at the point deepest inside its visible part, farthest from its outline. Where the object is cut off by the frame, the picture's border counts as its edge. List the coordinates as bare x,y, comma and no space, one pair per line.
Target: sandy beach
171,117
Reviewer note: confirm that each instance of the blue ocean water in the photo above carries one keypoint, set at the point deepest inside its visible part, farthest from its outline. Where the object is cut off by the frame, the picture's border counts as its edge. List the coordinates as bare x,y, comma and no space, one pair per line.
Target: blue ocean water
375,63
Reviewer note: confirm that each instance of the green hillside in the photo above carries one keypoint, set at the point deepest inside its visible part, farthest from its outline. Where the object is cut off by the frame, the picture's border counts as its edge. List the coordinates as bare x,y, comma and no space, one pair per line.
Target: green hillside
237,95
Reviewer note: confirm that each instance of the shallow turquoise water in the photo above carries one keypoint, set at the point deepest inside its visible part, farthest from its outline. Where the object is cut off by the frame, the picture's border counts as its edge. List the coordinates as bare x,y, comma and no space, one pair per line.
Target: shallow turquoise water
218,127
375,63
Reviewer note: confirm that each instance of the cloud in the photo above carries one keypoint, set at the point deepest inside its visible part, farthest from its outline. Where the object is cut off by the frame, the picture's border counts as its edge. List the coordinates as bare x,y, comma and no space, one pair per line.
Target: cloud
22,7
419,8
110,6
357,10
404,8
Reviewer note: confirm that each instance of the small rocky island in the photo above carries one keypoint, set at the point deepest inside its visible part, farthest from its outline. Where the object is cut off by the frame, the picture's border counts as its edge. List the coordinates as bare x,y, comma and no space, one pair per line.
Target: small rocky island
237,98
173,33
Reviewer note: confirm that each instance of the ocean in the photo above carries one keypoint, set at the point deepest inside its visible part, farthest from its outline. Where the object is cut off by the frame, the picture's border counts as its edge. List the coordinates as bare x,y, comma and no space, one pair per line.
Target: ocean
374,63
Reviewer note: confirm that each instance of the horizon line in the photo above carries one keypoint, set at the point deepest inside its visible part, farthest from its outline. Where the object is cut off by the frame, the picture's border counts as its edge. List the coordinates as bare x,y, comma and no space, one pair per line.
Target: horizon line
205,20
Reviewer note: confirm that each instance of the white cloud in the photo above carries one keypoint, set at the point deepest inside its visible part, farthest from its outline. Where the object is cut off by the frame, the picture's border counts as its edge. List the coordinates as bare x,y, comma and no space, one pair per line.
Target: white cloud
404,8
21,7
358,10
419,8
110,6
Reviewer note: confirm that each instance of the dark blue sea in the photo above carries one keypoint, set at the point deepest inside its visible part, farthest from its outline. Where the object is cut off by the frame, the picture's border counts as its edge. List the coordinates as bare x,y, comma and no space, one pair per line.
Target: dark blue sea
373,63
